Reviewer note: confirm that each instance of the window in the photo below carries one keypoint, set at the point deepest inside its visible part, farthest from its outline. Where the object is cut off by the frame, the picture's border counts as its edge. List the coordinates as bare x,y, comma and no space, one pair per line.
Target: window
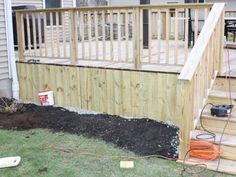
53,4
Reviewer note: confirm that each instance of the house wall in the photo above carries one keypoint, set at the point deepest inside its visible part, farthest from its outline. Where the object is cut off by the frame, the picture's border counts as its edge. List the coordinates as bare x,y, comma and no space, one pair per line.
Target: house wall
5,83
39,3
137,2
230,4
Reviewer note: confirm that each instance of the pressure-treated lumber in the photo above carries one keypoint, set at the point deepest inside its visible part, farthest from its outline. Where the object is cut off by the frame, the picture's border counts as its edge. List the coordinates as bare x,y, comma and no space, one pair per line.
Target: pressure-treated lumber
120,92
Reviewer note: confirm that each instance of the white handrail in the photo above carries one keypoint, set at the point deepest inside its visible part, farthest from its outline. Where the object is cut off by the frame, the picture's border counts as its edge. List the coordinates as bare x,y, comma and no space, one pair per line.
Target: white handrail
196,54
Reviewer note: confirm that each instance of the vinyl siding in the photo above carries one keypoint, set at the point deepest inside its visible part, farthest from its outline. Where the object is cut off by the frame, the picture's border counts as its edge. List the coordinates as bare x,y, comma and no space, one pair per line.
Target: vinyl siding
229,4
137,2
37,3
4,72
67,3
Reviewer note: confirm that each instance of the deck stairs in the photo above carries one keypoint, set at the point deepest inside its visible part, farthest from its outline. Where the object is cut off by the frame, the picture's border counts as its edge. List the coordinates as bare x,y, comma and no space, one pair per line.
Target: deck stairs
220,95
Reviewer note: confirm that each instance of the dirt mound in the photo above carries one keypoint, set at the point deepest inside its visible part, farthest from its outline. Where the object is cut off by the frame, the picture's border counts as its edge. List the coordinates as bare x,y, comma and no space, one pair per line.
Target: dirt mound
142,136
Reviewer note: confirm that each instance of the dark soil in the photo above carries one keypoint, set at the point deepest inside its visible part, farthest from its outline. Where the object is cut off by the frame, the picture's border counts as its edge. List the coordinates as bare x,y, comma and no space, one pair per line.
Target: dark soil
141,136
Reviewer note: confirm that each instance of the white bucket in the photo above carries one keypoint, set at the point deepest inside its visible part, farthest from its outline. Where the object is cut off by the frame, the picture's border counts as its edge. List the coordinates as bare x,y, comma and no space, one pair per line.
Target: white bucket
46,98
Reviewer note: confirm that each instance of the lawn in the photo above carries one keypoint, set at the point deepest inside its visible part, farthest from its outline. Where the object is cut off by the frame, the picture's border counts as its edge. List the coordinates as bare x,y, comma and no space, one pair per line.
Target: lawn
47,154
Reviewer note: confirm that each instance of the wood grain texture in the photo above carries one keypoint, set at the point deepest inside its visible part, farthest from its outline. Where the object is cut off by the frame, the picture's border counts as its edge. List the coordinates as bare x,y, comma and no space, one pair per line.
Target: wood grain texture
119,92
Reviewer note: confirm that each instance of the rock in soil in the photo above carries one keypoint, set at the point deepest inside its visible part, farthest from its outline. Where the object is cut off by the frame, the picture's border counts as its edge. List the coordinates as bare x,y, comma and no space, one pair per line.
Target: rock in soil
141,136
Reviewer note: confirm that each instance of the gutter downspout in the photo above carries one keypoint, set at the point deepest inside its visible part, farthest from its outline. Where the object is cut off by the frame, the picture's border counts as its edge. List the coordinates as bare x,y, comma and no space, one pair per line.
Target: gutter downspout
10,50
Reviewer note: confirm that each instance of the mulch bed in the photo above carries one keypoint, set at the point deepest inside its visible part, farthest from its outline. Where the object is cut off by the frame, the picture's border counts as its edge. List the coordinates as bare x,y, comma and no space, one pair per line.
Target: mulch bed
141,136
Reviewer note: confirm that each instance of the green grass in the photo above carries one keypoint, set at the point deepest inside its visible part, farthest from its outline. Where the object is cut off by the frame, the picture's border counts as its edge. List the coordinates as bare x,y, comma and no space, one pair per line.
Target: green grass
66,155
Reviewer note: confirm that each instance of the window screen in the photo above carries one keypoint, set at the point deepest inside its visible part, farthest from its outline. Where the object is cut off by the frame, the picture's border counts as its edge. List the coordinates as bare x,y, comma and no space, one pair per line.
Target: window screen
52,3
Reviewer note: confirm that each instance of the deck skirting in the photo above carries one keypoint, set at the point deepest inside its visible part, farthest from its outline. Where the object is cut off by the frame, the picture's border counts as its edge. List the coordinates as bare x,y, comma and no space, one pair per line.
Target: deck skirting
113,91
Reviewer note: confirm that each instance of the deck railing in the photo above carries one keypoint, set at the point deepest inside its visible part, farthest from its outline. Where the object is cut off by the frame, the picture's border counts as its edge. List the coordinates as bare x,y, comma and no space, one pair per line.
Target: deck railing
111,34
199,74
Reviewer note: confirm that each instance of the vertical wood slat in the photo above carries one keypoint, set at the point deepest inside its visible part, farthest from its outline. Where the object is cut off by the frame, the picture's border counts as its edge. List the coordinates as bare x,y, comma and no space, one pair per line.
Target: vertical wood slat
58,35
150,35
111,35
40,34
96,34
134,34
196,23
45,34
103,35
159,36
140,49
186,34
90,34
52,35
167,35
176,37
73,37
82,27
64,34
119,35
221,55
34,34
20,36
127,34
28,33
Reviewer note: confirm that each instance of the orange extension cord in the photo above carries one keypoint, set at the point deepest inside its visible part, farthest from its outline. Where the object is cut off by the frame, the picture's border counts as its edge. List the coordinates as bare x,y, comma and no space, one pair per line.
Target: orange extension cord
204,150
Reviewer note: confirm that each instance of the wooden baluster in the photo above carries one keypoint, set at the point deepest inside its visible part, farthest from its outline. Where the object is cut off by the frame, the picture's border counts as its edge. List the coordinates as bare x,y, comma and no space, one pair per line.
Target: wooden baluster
150,35
119,35
64,34
82,28
127,34
40,34
134,34
140,58
90,34
52,37
28,33
34,34
58,35
167,35
104,35
159,36
186,35
45,34
96,34
176,36
111,35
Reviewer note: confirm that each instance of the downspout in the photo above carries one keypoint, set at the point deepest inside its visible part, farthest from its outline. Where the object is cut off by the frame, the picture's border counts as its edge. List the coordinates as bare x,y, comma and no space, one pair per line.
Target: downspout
10,50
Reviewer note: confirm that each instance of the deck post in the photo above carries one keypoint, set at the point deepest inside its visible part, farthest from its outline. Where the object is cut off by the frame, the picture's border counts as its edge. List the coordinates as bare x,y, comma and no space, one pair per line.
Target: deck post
73,37
20,36
137,38
185,115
